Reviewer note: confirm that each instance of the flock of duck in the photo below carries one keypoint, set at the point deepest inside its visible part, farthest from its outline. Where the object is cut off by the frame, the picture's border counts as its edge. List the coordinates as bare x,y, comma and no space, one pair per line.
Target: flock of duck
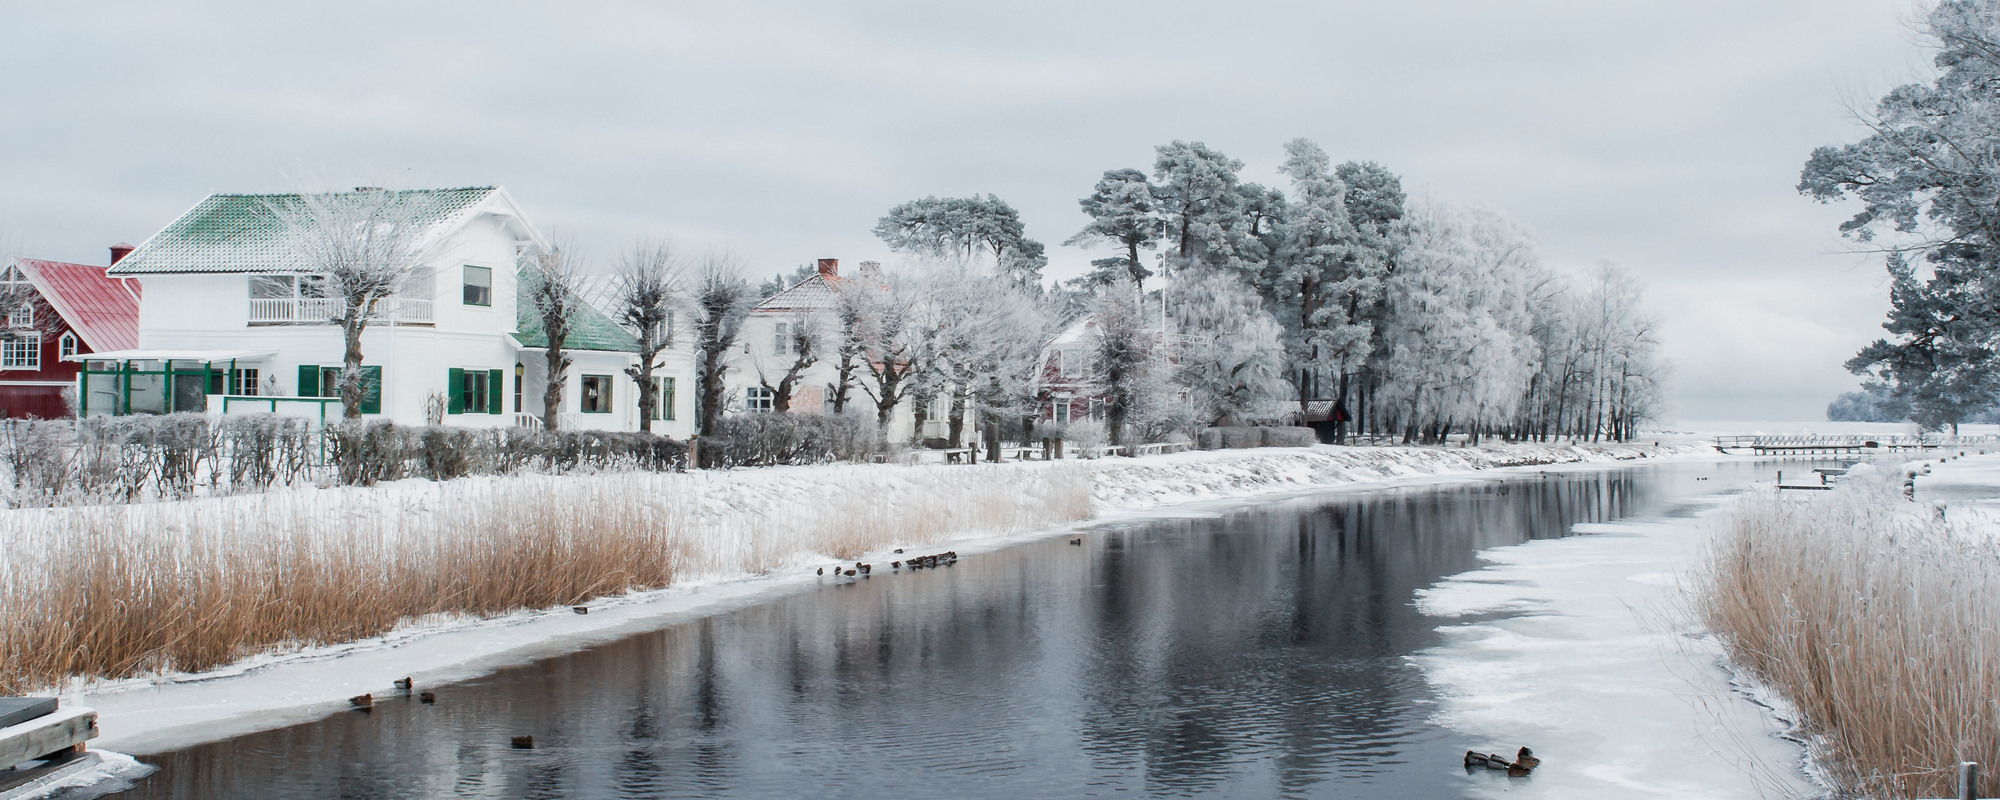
944,559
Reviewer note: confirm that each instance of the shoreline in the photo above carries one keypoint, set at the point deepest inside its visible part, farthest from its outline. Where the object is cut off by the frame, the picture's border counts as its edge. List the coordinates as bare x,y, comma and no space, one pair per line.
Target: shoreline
158,713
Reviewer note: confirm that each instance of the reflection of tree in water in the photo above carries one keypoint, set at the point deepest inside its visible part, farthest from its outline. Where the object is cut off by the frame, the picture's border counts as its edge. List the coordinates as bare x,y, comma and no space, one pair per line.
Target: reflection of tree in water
1259,653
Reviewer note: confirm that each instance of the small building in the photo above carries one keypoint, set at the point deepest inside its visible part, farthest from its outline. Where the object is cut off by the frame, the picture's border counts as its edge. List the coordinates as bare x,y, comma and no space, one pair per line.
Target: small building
67,310
228,324
1071,386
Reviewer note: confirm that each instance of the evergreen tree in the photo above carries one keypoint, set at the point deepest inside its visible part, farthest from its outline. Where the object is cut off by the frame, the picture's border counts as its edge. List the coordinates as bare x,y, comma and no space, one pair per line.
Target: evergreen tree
1121,210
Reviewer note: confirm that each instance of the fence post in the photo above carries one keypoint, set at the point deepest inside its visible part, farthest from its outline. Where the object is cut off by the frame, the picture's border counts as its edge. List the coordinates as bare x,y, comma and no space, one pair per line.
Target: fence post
1968,780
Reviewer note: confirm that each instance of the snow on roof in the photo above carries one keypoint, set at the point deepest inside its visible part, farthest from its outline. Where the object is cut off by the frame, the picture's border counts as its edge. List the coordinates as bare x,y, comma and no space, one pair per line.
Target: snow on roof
817,293
238,232
101,309
591,328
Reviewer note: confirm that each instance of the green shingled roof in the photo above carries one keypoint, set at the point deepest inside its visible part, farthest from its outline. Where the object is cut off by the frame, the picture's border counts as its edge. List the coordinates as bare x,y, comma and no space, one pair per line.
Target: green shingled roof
238,232
590,330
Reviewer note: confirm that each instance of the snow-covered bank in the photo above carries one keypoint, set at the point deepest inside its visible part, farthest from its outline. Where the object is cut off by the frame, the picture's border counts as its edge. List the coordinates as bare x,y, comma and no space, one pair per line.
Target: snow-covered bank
1587,658
151,714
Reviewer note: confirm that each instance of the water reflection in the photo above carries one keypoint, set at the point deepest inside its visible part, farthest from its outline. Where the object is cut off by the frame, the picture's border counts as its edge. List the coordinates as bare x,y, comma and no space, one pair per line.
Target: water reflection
1260,653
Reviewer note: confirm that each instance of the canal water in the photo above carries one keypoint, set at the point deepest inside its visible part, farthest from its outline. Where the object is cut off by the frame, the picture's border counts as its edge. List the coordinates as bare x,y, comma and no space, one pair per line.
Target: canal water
1261,652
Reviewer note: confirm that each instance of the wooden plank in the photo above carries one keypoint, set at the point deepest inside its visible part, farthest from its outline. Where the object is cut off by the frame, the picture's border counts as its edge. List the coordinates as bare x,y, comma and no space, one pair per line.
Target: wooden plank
41,736
16,710
38,781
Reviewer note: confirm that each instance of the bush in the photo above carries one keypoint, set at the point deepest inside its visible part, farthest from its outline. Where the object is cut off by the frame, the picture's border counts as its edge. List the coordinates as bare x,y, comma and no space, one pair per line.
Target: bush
1289,437
762,440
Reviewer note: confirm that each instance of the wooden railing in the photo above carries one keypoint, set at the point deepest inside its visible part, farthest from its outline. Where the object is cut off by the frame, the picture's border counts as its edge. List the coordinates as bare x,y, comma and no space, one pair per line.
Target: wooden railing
323,310
1850,443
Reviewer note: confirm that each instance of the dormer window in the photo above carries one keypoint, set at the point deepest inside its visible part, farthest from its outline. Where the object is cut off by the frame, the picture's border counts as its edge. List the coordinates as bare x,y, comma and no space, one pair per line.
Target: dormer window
66,346
23,316
478,286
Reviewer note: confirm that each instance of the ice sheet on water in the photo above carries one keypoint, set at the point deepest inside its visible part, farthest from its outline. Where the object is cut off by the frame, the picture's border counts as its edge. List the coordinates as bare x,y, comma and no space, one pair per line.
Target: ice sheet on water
1591,662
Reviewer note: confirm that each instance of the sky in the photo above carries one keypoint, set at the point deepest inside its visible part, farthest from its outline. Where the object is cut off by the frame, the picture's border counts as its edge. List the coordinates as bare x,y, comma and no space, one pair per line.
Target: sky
1666,137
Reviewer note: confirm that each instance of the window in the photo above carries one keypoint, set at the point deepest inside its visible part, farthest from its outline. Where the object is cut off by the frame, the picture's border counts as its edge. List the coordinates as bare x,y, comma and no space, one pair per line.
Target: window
22,316
66,346
1062,411
23,351
758,398
321,381
478,286
1097,408
243,382
519,377
476,391
663,399
1067,363
596,393
780,343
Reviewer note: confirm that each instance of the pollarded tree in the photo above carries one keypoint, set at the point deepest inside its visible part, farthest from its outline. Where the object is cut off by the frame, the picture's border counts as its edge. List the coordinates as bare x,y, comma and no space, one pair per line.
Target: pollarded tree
365,245
1925,176
802,341
1121,210
721,298
553,288
648,287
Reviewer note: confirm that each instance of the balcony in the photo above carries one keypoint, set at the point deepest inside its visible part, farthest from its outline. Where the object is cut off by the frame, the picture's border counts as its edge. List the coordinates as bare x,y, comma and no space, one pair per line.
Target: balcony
323,311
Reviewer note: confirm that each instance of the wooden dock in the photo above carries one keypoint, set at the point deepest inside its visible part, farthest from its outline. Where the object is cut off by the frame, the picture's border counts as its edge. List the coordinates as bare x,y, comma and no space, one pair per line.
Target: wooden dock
1846,445
41,742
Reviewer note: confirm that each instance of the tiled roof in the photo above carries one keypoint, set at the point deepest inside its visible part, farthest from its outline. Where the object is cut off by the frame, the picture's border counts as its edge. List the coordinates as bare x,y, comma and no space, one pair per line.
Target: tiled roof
817,293
590,330
238,232
97,307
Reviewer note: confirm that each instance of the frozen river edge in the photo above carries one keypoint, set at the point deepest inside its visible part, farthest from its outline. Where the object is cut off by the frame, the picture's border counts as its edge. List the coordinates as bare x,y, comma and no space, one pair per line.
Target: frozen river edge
171,711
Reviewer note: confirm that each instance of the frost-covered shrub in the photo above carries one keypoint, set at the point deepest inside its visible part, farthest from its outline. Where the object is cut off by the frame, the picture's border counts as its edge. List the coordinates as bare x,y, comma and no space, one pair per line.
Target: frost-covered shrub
1289,437
1232,438
1087,435
755,440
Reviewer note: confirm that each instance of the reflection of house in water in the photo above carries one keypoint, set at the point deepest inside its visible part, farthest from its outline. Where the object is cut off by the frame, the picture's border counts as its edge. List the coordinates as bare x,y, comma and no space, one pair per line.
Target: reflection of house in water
66,310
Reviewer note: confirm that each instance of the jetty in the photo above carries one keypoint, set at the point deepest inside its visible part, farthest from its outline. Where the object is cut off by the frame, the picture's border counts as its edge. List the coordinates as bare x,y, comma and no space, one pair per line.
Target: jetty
1809,445
42,743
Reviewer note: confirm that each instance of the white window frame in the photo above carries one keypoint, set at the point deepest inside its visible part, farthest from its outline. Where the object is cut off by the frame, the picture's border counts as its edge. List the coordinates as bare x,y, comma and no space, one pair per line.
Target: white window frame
23,317
1061,411
68,345
757,399
781,343
13,347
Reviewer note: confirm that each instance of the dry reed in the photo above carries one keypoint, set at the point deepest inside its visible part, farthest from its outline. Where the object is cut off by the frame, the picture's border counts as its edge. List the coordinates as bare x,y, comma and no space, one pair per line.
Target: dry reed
1878,621
120,591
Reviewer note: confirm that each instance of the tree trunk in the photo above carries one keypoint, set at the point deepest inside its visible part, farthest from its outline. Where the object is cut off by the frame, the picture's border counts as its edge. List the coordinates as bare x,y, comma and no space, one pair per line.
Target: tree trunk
552,389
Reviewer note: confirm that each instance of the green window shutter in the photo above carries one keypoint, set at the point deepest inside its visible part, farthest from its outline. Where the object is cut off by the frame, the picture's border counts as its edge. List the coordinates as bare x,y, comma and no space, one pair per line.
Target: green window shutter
494,385
455,381
308,380
371,398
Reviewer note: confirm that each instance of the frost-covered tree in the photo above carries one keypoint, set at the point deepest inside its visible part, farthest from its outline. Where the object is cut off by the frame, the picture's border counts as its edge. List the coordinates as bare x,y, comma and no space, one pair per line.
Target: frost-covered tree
721,301
965,229
893,341
1231,356
1458,354
1124,348
553,288
365,245
802,340
1121,210
1925,176
1324,274
1197,195
648,290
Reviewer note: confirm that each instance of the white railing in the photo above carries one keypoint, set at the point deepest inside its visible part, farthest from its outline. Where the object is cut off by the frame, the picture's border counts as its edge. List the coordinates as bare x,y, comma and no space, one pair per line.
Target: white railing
323,310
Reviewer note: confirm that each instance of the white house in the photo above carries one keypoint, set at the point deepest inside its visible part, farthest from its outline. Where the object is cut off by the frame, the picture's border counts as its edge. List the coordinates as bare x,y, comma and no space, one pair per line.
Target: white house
227,325
766,352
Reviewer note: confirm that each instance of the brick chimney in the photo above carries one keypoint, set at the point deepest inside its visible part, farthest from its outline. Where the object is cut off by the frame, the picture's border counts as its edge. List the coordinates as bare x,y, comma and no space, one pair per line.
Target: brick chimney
120,250
829,267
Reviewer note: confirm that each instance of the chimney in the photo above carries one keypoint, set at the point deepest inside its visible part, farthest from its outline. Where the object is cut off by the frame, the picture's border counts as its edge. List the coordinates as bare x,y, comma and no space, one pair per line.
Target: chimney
120,250
829,267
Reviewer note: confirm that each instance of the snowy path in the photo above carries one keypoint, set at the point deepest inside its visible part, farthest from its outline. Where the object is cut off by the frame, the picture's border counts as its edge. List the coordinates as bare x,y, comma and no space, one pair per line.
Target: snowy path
1576,648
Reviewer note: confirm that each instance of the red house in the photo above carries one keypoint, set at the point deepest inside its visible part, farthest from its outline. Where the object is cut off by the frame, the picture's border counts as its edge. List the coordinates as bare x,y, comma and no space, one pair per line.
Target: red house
73,309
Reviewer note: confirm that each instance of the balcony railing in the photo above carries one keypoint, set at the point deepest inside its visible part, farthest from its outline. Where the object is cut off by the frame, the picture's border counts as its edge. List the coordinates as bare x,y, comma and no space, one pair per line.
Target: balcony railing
324,310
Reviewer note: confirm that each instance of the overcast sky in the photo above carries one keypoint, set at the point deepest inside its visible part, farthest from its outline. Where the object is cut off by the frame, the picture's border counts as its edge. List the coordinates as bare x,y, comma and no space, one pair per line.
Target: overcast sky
1664,136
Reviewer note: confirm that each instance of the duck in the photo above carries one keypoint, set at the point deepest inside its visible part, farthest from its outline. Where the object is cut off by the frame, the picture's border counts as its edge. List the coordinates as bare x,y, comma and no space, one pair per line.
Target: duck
1077,542
849,573
899,551
404,684
1526,759
580,609
895,565
362,701
822,571
866,568
524,742
428,696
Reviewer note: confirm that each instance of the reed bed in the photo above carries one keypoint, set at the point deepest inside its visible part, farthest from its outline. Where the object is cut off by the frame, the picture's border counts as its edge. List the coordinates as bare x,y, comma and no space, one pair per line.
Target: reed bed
1878,621
131,590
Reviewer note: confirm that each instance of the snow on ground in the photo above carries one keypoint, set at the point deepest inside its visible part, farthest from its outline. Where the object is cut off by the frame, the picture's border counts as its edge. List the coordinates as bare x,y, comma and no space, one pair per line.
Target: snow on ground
166,712
1577,648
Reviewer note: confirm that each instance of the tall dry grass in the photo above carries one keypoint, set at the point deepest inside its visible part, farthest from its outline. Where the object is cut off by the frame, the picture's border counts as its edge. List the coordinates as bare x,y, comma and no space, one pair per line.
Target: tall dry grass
1878,621
119,591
